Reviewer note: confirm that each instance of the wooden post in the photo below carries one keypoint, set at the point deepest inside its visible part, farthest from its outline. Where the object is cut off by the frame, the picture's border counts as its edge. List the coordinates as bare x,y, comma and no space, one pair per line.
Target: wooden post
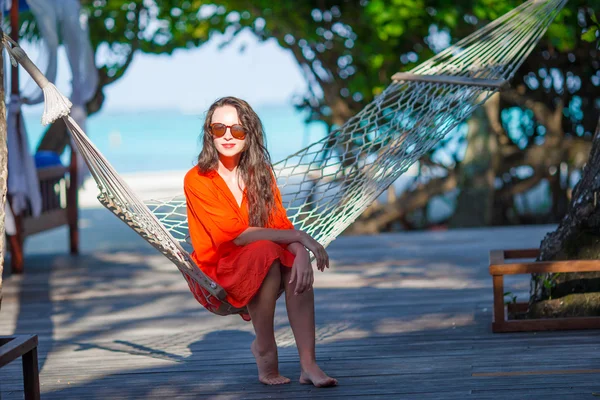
14,35
31,375
498,287
24,346
16,240
73,203
3,166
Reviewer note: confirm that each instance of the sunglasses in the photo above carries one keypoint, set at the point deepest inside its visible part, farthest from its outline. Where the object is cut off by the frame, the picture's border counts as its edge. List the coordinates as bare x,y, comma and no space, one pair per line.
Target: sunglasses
218,130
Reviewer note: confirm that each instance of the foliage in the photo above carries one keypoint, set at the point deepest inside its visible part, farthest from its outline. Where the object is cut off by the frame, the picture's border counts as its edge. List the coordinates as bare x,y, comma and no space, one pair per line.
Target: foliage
348,49
592,34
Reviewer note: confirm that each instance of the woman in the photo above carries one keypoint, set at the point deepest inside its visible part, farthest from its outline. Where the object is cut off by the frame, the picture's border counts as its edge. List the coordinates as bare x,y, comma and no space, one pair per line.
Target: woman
243,239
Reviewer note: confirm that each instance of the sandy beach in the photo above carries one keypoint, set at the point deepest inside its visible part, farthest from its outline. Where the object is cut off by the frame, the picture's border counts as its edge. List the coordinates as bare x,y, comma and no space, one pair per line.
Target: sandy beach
146,185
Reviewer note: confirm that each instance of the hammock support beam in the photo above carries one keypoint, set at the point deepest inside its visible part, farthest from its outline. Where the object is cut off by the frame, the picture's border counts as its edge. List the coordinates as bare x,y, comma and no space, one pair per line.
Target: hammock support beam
497,84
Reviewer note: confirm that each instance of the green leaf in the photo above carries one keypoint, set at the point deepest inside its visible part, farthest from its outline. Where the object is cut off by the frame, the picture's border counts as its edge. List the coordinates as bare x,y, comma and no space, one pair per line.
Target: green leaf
547,284
377,61
594,19
590,35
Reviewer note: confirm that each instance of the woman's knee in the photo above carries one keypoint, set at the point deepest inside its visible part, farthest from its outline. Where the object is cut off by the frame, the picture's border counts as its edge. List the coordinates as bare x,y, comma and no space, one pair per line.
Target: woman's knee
274,270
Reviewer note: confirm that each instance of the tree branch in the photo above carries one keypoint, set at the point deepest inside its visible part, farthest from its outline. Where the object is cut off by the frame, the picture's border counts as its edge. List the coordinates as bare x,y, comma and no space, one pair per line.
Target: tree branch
410,201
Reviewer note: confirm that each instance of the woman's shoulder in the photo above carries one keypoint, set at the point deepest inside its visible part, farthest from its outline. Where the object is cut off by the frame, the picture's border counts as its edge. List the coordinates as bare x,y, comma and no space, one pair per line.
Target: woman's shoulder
196,178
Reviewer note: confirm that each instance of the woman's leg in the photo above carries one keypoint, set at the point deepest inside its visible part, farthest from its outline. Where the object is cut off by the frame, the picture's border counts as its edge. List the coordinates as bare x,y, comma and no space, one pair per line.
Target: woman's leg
262,312
301,313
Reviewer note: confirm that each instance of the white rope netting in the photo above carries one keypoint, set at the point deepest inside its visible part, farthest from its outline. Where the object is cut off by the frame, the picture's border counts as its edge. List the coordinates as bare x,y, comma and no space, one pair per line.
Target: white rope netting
328,184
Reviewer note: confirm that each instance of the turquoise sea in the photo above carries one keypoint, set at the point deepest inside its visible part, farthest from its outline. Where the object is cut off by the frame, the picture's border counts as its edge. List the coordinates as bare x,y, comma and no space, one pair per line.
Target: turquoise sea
161,140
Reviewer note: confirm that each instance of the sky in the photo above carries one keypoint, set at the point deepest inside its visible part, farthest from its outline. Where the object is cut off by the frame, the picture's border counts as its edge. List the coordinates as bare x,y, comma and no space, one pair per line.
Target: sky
190,80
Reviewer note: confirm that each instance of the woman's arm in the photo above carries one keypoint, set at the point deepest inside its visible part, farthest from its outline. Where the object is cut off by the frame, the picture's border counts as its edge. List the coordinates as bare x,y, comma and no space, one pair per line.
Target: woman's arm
285,236
302,272
296,247
281,236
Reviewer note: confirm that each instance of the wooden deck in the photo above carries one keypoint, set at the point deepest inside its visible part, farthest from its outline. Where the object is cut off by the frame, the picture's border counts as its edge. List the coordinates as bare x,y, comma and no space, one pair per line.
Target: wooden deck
398,316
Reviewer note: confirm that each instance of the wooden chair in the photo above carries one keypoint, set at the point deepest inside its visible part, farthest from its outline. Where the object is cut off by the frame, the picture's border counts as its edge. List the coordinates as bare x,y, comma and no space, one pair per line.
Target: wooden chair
24,346
58,187
499,268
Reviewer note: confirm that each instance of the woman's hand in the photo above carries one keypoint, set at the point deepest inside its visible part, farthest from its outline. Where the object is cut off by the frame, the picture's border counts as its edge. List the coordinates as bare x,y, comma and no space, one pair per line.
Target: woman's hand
316,248
302,272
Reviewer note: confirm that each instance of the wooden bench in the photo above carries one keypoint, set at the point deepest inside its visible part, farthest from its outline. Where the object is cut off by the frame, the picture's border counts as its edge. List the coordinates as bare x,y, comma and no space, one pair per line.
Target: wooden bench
58,190
24,346
58,186
499,267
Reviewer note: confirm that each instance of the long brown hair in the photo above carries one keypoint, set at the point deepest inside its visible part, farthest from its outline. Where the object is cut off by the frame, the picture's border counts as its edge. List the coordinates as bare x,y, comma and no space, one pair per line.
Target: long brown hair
255,167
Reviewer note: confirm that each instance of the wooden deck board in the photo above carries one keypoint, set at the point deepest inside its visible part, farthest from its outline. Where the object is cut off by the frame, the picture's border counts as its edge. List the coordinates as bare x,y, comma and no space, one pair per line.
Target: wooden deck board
398,316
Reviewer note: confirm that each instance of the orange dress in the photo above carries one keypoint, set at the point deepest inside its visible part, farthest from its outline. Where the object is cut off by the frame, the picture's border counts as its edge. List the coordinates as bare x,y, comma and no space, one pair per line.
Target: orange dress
215,220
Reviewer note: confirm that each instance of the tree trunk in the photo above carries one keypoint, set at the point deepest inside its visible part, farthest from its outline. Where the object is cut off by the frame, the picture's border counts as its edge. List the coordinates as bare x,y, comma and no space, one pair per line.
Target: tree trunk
476,172
577,237
3,167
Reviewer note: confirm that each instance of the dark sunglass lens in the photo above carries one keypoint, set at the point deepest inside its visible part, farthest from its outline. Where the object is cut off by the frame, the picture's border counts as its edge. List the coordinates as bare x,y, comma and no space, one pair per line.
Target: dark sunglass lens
237,131
218,129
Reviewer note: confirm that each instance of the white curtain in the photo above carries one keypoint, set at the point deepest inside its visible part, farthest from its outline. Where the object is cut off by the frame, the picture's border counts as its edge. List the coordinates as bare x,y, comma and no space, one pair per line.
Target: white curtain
63,18
23,184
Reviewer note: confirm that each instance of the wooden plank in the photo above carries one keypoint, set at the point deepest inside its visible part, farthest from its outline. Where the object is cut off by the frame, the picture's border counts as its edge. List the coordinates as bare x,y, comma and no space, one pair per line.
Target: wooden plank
73,204
386,383
531,325
521,307
496,257
498,84
521,253
498,268
16,347
546,266
31,378
48,220
539,372
498,290
51,173
119,322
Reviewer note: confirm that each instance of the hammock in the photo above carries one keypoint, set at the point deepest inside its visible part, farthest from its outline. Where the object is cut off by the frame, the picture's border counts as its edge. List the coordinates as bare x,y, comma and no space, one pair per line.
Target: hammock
328,184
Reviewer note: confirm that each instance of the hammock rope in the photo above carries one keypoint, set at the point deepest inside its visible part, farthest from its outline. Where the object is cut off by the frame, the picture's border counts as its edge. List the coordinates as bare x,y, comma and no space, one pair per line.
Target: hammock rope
328,184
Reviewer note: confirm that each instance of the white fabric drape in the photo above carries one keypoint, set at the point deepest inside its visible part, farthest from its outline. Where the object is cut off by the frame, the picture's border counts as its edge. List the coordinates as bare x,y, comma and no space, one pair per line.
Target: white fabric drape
63,18
23,184
10,227
57,20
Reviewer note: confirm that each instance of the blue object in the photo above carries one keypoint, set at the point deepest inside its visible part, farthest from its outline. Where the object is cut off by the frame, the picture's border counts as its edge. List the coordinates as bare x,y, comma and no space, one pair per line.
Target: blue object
6,4
46,158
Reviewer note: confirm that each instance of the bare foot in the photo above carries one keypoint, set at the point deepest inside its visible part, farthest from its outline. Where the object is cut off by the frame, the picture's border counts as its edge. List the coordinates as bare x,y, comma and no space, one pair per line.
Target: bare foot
268,372
315,376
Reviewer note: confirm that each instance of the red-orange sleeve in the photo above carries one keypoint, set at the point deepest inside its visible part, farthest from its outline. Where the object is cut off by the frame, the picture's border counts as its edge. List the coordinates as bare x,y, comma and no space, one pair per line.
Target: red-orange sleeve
280,218
222,223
